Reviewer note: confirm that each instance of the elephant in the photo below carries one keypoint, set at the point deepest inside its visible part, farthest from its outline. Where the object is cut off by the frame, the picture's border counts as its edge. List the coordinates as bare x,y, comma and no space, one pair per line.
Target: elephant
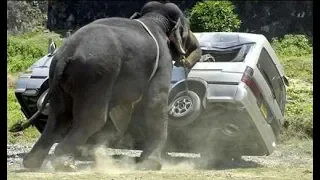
103,71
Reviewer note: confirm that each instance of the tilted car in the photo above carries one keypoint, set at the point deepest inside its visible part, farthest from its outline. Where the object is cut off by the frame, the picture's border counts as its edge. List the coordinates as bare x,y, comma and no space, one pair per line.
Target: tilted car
232,104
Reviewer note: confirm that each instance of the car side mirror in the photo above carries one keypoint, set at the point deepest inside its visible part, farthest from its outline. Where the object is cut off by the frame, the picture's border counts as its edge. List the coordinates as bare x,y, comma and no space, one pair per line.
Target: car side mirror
286,81
51,47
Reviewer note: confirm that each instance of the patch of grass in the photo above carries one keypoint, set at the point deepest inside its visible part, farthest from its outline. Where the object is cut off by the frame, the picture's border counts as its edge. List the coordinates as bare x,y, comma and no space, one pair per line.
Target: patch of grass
11,81
299,110
23,50
295,54
295,145
14,115
299,67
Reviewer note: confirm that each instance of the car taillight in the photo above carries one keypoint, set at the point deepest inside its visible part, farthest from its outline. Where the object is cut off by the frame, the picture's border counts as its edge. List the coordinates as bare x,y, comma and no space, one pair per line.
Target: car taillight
247,78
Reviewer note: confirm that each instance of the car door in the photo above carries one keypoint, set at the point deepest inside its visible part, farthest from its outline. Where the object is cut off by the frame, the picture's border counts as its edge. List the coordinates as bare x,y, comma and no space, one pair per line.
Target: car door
273,78
275,101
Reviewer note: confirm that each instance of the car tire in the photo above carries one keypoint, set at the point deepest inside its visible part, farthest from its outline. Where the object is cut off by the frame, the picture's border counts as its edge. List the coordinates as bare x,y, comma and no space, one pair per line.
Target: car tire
211,160
218,149
184,109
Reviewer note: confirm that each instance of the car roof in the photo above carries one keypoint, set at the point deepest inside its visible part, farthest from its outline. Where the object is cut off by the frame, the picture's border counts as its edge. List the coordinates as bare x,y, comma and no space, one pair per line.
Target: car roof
214,40
223,40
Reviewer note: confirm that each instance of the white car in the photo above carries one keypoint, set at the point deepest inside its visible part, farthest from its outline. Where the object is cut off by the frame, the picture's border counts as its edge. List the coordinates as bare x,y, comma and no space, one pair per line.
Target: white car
236,98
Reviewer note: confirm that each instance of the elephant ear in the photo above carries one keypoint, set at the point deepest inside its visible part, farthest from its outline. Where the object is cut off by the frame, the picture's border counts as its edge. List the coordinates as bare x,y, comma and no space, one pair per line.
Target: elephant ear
176,37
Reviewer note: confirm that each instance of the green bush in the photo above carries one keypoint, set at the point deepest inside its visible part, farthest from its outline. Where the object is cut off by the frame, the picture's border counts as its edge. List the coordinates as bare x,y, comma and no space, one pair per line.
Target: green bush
292,45
213,16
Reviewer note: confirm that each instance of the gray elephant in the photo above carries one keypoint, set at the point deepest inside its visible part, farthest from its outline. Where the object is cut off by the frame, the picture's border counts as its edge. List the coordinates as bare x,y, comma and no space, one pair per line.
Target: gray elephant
101,72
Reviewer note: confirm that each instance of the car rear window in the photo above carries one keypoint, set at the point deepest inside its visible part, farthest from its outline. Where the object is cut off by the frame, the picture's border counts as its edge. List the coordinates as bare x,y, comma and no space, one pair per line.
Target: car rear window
230,54
271,74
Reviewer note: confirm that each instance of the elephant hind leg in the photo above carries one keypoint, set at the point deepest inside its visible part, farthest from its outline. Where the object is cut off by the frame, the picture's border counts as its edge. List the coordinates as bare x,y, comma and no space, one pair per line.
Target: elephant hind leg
57,124
90,106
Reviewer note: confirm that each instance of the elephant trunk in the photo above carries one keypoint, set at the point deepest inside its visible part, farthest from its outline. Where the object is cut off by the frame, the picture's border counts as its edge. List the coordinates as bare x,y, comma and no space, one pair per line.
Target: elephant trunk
194,52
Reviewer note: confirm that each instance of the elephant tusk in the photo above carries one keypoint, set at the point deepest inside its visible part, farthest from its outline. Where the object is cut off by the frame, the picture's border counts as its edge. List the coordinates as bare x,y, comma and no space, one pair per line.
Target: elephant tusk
182,50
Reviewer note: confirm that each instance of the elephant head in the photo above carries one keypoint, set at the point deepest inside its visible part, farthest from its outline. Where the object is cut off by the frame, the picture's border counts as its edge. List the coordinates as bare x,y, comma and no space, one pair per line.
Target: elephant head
192,54
182,42
180,32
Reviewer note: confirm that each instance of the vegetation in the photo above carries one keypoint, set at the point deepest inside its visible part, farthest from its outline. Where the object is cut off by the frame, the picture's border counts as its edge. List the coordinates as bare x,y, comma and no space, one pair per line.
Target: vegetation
15,114
23,50
295,53
212,16
292,45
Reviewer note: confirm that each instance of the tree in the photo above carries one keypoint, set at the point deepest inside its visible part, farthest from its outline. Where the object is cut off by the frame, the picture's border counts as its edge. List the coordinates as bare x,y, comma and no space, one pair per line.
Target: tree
213,16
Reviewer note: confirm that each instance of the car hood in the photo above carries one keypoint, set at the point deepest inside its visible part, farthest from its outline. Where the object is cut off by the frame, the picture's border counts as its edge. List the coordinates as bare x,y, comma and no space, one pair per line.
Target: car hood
221,40
43,62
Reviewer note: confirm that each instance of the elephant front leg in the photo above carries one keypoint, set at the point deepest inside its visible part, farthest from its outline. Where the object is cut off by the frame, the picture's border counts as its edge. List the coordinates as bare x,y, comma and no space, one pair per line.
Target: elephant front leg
156,119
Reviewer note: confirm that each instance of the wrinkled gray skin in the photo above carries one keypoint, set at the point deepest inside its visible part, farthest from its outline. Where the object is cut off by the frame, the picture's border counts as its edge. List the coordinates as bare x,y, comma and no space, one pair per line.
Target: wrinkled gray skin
102,71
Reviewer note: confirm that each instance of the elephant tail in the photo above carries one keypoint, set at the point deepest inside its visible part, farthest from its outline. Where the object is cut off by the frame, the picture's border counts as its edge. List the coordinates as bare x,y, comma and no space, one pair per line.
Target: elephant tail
19,126
58,72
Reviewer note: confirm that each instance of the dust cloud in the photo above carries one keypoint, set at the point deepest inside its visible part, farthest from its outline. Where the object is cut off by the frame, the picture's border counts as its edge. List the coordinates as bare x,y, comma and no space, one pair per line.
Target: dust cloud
104,163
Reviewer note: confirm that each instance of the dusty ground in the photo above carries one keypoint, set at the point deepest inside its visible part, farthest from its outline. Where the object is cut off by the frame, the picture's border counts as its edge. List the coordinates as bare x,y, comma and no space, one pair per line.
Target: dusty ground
292,160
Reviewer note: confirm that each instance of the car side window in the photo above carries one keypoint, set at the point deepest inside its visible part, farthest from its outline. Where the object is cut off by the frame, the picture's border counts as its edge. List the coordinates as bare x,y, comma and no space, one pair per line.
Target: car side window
271,74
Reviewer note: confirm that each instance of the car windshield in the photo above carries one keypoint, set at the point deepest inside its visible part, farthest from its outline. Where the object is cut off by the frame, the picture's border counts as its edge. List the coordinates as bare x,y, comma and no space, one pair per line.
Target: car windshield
228,54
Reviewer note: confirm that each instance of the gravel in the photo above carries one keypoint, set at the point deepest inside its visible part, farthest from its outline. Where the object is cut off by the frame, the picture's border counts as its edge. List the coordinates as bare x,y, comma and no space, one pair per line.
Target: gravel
280,157
15,152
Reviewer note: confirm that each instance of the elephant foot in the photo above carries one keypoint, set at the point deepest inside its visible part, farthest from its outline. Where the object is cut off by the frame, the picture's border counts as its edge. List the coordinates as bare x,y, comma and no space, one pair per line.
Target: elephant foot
65,164
149,164
31,163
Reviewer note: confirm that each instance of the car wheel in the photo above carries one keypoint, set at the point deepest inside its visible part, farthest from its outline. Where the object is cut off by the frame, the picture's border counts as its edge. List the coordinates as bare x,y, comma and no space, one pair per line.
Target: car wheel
184,109
219,150
219,159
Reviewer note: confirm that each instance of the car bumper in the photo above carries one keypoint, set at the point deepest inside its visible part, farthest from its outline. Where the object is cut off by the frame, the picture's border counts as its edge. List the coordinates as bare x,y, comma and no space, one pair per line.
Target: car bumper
27,91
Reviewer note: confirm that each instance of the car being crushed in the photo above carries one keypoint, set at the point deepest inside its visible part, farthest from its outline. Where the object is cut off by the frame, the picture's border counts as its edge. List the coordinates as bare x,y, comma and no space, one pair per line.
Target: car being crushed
231,104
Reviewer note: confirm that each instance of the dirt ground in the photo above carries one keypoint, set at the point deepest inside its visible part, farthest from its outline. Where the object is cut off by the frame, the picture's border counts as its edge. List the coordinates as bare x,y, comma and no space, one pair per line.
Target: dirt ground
292,160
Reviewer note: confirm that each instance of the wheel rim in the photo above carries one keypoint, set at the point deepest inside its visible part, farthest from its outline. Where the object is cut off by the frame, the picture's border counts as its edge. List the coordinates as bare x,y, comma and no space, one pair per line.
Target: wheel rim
181,106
